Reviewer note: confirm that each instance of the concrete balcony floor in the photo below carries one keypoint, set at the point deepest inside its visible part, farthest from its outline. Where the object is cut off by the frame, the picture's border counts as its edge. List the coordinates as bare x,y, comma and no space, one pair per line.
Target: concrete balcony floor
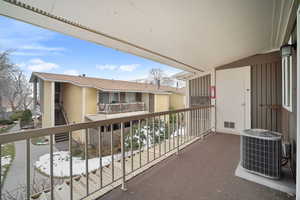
203,171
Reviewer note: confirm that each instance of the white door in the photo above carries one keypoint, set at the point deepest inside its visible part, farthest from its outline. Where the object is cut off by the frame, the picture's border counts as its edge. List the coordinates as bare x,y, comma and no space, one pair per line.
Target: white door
233,99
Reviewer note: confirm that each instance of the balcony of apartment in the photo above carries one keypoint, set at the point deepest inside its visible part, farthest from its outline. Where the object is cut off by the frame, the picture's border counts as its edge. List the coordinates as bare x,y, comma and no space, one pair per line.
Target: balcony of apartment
166,155
114,108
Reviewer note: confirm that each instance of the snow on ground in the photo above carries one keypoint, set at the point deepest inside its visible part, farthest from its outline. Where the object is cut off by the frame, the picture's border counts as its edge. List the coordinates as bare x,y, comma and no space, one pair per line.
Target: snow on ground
61,159
61,164
5,160
178,132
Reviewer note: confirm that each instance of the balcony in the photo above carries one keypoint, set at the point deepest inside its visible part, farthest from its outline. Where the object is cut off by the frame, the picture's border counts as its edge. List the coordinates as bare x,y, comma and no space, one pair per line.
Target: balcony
148,140
121,107
204,170
190,161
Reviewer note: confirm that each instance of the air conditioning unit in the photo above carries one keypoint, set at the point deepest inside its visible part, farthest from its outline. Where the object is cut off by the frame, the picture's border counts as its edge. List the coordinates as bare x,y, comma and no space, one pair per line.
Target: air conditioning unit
261,152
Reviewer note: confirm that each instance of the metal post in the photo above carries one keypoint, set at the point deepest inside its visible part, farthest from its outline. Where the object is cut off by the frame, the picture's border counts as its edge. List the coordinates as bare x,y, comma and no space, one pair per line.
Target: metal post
159,127
112,154
131,144
51,166
86,160
140,155
71,166
196,123
147,140
173,130
100,154
28,169
165,145
169,131
123,187
200,121
1,171
154,137
178,121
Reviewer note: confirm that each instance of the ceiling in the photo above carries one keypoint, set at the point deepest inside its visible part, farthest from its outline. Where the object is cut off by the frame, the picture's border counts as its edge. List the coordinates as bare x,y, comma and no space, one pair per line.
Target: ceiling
194,35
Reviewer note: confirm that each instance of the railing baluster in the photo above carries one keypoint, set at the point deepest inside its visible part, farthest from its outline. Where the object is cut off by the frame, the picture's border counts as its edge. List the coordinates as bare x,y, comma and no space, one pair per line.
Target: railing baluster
28,182
204,120
154,138
159,126
112,154
147,136
123,158
185,126
199,127
191,131
51,167
71,166
140,155
173,130
165,145
100,154
181,124
169,132
199,121
86,160
1,172
131,144
178,125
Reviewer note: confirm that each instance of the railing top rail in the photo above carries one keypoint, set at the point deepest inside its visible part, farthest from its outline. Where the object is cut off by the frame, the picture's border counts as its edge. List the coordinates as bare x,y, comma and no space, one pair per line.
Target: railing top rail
121,103
26,134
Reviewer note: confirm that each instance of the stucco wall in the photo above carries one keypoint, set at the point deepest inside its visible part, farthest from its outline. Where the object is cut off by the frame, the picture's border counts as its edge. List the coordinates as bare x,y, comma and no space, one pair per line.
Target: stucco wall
91,101
72,102
162,102
177,101
48,105
145,99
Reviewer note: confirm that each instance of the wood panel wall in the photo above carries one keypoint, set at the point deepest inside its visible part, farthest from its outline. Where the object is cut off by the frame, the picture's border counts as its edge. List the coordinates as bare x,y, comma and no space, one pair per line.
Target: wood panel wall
266,95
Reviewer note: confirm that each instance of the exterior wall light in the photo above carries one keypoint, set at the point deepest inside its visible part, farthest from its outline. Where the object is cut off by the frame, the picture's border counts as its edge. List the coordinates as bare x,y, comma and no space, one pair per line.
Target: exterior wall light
286,50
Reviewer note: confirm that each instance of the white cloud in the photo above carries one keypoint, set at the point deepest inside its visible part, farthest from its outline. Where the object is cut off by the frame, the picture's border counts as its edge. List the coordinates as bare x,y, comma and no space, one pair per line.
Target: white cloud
41,48
128,68
21,53
73,72
40,65
107,67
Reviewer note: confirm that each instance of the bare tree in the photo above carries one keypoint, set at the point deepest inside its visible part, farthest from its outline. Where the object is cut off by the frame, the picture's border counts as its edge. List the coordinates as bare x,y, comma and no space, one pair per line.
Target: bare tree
38,185
156,74
14,86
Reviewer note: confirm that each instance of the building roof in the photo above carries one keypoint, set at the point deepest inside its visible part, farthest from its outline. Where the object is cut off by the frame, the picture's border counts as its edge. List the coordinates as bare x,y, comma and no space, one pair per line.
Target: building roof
106,84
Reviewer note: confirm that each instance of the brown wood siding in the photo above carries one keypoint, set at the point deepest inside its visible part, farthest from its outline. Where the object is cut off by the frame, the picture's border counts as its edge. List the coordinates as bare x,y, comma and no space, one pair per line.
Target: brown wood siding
199,91
266,96
199,95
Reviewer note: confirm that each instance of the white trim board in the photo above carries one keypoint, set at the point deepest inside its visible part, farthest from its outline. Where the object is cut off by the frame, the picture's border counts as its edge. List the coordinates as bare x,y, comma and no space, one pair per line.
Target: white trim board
285,184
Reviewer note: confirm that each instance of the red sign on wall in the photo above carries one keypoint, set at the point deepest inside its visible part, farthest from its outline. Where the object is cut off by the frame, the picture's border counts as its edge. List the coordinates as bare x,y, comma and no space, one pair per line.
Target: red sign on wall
212,92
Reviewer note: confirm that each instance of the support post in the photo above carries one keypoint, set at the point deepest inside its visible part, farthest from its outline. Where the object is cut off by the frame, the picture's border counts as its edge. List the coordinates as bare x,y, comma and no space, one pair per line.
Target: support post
123,187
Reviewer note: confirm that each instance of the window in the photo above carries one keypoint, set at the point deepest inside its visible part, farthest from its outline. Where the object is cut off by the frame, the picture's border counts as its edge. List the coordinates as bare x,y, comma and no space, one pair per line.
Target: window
103,97
287,83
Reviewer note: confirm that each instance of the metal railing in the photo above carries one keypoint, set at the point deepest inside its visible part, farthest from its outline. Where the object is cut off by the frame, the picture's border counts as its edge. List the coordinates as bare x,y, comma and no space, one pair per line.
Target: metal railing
143,140
121,107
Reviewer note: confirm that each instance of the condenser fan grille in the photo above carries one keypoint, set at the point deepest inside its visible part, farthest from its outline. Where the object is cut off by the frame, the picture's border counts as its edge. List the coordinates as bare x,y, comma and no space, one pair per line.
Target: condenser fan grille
261,153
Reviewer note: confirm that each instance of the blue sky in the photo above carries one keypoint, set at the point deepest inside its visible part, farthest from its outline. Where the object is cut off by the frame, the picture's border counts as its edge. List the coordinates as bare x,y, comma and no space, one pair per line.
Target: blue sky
37,49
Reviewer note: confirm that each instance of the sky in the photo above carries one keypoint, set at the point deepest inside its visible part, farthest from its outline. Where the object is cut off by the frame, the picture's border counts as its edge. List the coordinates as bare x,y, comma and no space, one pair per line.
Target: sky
37,49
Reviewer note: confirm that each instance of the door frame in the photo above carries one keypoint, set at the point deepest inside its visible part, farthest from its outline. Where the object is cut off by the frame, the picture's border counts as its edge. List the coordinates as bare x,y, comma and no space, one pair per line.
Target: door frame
247,108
